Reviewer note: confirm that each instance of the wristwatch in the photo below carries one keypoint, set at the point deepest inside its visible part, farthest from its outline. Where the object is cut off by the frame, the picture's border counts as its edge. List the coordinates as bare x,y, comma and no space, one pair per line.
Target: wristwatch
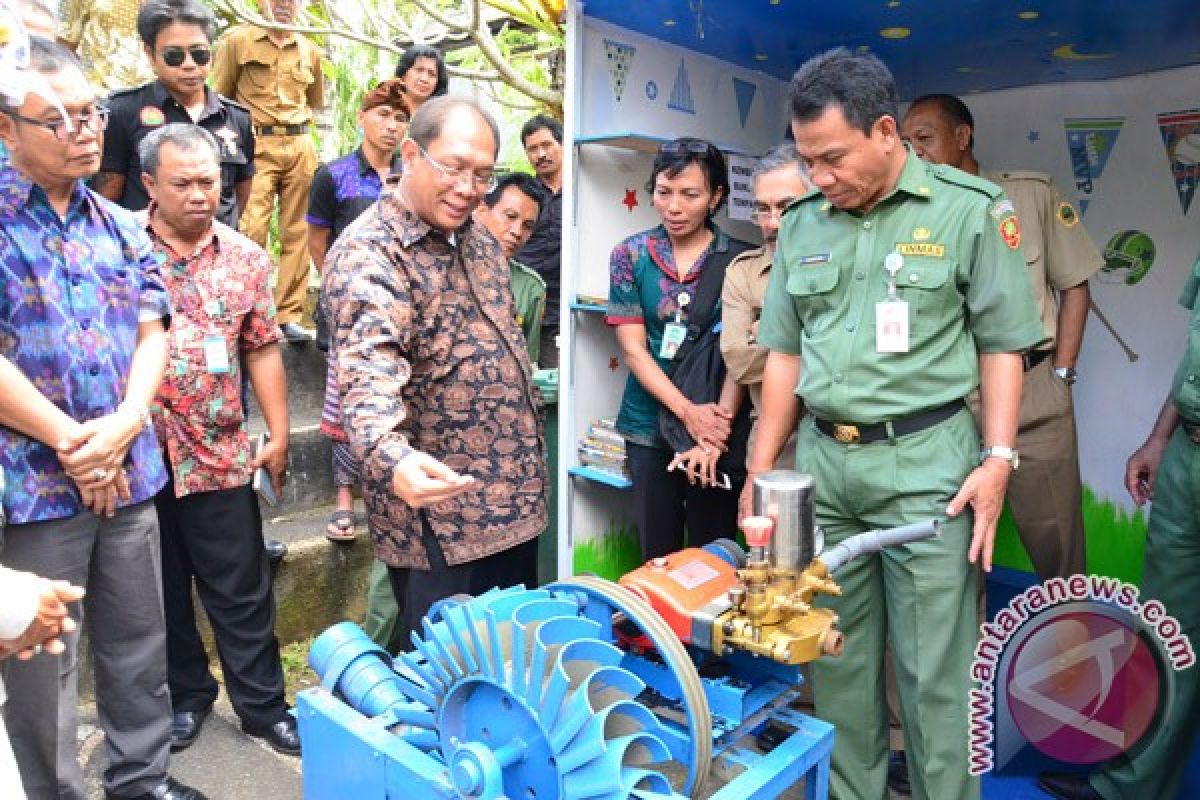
999,451
1068,374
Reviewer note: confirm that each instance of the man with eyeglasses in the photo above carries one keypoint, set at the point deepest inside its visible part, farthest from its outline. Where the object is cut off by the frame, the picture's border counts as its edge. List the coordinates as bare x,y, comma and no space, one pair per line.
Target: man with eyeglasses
177,37
277,75
437,389
82,352
778,180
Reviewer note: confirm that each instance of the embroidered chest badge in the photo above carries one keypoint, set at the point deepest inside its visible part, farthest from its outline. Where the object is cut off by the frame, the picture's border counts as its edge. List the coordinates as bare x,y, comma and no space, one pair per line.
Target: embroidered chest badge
151,117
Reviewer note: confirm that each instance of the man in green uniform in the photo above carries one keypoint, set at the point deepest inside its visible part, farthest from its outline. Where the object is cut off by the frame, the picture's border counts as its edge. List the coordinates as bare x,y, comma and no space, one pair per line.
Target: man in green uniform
1167,469
1046,495
510,212
901,287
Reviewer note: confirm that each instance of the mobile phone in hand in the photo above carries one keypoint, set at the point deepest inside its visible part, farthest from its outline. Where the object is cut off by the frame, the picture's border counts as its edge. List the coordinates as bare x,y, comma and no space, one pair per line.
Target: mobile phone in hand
262,478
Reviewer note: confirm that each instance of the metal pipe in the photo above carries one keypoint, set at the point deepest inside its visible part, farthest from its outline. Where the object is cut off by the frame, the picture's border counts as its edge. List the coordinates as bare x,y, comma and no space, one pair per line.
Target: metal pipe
786,496
873,541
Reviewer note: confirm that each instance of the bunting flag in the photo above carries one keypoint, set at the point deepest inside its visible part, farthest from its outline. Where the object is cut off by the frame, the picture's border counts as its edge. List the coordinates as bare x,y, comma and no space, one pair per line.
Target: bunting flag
1181,138
681,92
744,91
620,60
1090,142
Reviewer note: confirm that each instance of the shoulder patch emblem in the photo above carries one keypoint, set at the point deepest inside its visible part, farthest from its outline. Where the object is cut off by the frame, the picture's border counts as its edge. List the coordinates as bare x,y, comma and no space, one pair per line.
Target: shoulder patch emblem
1066,214
1002,209
151,116
1010,231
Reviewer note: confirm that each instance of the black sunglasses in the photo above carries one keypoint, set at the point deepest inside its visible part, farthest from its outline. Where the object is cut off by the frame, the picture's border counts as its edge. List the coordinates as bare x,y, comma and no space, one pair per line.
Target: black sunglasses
694,146
174,56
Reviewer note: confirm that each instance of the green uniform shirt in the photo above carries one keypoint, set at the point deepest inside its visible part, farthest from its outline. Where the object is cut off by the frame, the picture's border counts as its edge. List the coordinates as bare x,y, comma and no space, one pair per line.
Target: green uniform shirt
1185,391
963,277
529,296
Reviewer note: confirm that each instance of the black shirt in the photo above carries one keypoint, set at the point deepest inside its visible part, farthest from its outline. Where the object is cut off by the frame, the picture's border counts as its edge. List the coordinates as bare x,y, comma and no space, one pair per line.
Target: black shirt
343,189
543,253
136,112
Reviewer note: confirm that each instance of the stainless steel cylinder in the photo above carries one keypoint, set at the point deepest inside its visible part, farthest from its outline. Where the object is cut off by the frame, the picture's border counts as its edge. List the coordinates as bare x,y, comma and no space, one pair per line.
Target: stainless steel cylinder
786,496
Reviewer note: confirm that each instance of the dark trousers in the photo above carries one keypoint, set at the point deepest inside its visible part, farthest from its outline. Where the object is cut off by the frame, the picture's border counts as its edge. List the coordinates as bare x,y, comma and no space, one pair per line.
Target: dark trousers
665,504
216,539
417,590
116,560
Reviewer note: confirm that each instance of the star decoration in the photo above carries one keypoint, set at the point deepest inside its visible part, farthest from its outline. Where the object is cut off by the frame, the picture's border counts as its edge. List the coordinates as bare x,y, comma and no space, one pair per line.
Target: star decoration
613,364
630,200
1033,136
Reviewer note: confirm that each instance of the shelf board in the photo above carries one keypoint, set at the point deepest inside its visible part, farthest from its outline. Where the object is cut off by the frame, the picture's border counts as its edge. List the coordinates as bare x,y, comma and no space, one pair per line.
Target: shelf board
593,308
643,143
600,476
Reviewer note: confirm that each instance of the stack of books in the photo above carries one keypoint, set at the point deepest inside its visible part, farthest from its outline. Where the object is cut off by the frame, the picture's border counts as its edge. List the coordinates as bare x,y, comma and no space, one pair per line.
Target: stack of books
602,448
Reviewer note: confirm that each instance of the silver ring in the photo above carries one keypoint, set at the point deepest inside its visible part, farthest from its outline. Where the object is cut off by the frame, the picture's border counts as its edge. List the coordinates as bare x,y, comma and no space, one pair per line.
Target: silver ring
99,474
37,649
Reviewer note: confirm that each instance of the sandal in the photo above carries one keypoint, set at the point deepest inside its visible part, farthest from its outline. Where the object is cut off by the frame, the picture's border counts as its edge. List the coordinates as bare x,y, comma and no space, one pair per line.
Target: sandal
341,526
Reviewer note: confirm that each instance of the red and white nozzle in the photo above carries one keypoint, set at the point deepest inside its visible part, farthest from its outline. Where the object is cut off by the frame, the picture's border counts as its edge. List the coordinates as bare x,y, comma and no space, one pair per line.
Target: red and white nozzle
758,531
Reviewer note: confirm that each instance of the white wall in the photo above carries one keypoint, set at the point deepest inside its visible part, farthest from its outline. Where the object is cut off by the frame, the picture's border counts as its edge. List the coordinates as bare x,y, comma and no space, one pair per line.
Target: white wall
1116,401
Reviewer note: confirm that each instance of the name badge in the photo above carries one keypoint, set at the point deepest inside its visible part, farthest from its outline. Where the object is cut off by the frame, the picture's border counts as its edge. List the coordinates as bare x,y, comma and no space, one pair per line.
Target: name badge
891,326
673,336
216,356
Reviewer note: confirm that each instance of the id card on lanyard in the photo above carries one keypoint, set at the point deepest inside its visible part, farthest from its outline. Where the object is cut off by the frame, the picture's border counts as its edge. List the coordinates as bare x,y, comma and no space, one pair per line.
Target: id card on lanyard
216,354
675,331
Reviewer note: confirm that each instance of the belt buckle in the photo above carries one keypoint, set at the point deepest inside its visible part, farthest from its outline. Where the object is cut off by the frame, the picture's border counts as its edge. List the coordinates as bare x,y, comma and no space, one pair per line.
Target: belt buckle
846,434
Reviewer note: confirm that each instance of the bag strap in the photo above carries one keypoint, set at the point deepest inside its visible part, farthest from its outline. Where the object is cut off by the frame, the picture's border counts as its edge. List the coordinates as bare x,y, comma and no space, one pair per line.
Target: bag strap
706,306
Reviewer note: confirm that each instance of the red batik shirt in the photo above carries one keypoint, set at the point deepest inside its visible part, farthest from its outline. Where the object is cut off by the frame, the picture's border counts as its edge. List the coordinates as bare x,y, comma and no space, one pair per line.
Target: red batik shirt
219,291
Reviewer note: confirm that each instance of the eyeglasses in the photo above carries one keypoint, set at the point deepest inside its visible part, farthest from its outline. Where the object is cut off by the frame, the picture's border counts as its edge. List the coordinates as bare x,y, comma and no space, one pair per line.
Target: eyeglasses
764,213
96,120
483,181
696,147
174,56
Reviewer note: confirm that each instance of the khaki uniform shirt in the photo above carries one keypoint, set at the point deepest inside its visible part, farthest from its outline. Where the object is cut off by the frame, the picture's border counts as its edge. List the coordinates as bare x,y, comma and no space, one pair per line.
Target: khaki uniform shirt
1185,389
104,34
963,277
741,305
281,85
1058,250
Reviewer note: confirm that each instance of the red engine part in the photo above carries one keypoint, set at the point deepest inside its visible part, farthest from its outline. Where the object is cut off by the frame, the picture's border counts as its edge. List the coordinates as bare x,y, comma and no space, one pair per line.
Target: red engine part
680,584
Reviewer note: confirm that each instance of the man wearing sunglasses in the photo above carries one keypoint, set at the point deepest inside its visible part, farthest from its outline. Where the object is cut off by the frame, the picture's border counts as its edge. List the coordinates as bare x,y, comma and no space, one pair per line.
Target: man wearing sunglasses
177,37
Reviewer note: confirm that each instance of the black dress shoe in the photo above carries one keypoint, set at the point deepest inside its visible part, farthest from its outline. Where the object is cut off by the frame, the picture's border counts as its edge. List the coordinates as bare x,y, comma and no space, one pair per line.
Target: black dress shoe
898,773
1067,786
185,727
276,550
169,789
282,736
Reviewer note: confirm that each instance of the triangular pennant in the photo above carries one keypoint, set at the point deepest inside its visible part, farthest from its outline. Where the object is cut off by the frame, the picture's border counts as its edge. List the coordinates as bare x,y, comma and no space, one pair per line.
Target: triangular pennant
620,59
681,92
744,91
1090,143
1181,137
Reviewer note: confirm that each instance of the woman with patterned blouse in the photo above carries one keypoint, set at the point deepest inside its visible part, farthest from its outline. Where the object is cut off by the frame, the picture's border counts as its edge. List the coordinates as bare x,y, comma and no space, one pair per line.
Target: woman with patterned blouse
654,277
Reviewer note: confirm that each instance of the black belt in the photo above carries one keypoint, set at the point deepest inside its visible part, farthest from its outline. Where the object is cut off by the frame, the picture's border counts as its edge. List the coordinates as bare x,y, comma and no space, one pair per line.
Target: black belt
1034,357
280,130
847,433
1192,429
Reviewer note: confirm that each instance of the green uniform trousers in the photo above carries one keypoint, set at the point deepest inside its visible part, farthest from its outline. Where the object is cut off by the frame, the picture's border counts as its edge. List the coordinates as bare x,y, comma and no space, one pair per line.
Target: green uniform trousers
1171,575
919,597
382,622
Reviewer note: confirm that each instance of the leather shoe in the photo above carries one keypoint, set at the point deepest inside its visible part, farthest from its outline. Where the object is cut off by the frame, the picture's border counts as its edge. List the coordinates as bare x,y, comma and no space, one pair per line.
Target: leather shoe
282,736
897,774
296,333
1067,786
185,728
276,550
169,789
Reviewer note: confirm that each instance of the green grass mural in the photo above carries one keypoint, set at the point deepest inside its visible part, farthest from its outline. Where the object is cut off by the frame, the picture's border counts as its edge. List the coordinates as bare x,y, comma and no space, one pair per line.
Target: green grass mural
1116,540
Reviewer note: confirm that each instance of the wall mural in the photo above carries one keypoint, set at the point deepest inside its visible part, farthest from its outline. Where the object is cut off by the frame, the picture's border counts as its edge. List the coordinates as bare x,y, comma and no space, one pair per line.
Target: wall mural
1090,142
1181,138
620,60
681,92
744,91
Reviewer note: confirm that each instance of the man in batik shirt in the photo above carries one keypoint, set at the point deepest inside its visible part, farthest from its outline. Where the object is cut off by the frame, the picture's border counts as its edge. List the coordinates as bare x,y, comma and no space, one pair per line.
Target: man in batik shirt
436,386
208,513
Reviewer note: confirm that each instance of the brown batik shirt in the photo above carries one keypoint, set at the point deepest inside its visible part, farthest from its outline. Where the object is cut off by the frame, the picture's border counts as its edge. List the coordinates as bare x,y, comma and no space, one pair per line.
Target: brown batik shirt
430,358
